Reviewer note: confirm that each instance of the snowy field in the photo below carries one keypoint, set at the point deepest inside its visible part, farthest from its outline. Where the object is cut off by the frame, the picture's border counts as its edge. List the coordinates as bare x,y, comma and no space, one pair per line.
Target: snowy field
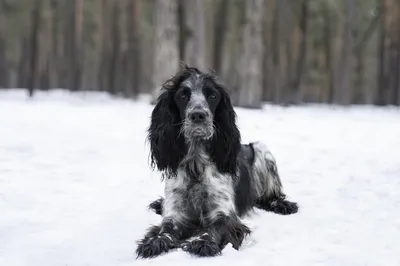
75,184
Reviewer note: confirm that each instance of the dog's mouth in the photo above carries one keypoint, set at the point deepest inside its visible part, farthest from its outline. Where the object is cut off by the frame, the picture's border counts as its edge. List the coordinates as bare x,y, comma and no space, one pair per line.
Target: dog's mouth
199,132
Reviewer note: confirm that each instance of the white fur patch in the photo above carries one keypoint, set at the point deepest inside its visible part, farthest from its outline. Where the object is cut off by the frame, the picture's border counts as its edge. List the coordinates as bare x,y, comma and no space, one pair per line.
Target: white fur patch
220,188
173,203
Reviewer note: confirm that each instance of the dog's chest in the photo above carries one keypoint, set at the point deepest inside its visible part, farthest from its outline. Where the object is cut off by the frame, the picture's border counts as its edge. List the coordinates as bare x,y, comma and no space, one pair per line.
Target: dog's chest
207,193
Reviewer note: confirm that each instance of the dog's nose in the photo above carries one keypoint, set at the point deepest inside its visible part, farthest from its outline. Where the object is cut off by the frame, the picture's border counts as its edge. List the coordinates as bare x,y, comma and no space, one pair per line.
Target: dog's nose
198,116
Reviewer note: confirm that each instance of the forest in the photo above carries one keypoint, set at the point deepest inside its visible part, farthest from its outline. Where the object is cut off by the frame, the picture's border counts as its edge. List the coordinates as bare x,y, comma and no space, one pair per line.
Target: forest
285,52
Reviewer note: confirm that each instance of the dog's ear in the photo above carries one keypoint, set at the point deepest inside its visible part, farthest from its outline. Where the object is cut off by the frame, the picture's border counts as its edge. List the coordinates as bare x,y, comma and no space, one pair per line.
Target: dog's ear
167,145
225,144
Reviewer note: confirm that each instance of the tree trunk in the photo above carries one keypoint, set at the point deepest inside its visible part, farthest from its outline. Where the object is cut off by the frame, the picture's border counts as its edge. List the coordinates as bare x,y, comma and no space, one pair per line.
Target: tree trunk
76,46
381,90
360,95
166,56
219,34
345,66
54,59
195,44
389,63
250,74
133,61
33,80
327,42
276,53
301,60
105,45
115,59
3,57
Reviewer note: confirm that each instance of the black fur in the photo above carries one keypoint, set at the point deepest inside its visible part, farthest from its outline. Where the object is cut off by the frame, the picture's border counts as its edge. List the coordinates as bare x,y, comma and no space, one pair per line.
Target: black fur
244,199
151,246
202,247
167,145
226,143
278,205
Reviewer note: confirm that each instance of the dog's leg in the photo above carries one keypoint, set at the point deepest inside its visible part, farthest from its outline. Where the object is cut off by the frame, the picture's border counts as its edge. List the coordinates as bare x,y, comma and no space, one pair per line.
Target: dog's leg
157,206
277,205
216,235
160,239
268,183
175,224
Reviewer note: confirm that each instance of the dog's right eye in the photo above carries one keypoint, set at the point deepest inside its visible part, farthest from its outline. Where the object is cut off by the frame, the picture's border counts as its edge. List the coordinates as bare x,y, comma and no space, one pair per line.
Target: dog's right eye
182,96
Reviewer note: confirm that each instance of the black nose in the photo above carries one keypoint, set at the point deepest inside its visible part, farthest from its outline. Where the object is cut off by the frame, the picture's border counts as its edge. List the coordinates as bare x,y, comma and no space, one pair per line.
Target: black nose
198,116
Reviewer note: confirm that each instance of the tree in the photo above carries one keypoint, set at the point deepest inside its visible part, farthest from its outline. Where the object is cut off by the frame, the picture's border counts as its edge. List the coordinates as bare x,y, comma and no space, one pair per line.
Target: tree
345,66
3,58
133,75
301,60
389,64
195,39
34,56
195,33
250,63
166,52
219,33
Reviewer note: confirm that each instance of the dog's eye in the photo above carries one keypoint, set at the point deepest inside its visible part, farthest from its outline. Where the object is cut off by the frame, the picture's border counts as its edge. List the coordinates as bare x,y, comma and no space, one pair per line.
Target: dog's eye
182,96
212,96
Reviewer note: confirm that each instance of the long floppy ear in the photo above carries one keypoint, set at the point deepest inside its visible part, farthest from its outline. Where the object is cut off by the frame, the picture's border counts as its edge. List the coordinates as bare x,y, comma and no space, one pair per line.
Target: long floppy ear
226,143
167,145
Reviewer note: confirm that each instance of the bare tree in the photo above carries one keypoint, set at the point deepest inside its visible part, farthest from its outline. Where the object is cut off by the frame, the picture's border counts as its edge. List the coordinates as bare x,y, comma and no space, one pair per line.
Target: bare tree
166,54
133,74
195,43
34,57
345,66
3,58
115,56
327,47
219,33
275,50
389,50
301,60
359,93
250,63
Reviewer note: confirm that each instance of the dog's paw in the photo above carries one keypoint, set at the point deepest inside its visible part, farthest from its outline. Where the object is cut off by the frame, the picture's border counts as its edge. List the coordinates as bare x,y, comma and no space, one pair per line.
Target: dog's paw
284,207
237,234
202,247
155,246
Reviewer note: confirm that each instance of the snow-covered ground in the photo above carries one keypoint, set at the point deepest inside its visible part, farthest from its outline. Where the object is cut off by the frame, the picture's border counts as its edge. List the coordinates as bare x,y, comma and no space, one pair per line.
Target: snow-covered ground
75,184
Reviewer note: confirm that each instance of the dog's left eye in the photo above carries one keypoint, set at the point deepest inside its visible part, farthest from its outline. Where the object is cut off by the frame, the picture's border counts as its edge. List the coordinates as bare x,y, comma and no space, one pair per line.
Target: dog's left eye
212,96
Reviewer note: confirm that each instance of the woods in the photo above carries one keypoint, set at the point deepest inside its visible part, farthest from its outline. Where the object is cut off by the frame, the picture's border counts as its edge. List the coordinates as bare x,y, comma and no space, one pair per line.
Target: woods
280,51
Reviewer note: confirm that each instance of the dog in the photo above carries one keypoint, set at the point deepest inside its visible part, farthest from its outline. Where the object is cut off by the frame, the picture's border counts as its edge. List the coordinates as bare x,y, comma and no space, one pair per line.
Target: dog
212,180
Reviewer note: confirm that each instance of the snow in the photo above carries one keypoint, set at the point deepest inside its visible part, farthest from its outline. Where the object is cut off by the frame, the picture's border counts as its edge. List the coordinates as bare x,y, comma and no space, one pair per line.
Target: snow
75,183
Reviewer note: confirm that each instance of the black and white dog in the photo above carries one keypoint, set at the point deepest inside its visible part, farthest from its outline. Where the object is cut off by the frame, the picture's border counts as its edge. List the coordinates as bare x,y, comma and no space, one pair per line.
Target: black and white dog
211,179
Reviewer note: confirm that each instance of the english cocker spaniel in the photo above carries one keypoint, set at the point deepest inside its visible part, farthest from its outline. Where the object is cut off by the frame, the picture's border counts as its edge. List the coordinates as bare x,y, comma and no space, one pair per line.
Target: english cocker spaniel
211,179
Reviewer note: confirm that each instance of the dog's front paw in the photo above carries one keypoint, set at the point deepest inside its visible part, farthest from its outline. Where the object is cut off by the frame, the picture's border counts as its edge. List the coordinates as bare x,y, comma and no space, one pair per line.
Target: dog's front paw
155,246
202,247
284,207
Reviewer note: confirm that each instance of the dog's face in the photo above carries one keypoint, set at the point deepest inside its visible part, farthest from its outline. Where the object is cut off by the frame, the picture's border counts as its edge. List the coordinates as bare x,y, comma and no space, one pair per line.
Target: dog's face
197,98
193,107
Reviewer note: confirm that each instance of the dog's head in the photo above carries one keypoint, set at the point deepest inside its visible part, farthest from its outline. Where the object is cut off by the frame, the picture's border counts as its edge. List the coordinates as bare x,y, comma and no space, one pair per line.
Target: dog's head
193,107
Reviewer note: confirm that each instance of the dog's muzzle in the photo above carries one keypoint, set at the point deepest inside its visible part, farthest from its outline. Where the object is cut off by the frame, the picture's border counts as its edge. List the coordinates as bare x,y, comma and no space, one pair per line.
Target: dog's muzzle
199,125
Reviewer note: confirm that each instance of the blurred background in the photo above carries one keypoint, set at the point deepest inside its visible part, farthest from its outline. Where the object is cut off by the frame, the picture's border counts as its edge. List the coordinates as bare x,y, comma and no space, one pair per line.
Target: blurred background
279,51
